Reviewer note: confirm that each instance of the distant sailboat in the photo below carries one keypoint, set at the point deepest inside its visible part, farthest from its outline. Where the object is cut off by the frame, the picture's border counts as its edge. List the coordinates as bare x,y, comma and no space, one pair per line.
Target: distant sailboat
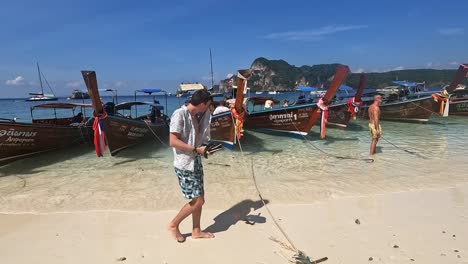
41,96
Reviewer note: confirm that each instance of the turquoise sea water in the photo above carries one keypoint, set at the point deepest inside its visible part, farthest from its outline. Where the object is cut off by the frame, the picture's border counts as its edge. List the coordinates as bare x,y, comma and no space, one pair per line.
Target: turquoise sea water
288,170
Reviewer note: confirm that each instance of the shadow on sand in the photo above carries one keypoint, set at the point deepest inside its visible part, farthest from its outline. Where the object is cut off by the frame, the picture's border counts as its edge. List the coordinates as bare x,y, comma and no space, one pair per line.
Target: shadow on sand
238,212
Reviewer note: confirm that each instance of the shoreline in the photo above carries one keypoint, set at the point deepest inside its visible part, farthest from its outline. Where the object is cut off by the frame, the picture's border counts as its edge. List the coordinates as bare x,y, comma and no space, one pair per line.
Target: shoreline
428,226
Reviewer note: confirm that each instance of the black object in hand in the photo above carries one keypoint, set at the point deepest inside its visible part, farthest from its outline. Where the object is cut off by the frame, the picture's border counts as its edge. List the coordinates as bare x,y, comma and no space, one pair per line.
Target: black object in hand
211,147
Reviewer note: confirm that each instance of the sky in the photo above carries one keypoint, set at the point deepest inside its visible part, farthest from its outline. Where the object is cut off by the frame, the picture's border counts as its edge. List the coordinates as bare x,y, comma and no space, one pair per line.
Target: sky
159,44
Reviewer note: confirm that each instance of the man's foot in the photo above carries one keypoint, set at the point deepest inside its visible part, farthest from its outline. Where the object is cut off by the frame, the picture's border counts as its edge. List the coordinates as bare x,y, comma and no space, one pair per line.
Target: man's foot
196,235
175,232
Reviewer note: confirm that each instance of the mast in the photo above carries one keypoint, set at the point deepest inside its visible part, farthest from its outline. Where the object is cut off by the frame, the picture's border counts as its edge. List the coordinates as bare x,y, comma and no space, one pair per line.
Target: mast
212,78
40,79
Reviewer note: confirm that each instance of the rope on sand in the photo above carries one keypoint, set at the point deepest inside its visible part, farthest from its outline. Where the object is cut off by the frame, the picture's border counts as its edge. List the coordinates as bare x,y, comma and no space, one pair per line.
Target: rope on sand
300,257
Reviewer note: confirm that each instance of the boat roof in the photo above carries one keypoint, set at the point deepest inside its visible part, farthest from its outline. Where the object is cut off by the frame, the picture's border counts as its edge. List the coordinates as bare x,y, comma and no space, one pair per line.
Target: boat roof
183,87
405,83
306,88
61,105
151,90
128,105
346,88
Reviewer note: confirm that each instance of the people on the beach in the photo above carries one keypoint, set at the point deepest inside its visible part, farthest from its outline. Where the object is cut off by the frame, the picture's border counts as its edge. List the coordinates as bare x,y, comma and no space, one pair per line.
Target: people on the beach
220,109
189,129
374,122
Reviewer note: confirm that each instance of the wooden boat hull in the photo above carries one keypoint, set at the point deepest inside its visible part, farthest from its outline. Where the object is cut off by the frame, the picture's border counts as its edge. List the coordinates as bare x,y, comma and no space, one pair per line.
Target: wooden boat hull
222,129
292,120
20,140
457,107
415,110
121,132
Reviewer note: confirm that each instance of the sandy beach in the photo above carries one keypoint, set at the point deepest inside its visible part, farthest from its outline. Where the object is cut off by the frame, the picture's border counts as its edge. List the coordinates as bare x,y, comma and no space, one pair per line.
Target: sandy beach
425,226
71,207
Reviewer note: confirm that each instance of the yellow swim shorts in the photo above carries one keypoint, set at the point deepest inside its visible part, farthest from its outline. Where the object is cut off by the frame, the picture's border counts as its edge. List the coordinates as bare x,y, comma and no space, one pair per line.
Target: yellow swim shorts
373,131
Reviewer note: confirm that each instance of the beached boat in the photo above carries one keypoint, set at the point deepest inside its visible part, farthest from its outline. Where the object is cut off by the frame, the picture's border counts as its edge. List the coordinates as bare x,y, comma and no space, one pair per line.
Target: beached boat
77,94
455,95
403,103
294,120
226,127
19,139
126,124
40,97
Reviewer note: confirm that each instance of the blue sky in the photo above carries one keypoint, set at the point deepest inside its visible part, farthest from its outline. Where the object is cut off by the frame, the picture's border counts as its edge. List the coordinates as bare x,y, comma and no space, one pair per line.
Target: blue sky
139,44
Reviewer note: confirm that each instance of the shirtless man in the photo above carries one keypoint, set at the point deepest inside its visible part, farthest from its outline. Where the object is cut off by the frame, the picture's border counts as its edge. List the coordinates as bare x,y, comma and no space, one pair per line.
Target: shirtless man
374,124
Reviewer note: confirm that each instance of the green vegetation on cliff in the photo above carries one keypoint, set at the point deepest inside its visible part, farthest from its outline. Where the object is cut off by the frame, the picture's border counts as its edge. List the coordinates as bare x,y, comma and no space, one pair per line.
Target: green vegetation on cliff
271,75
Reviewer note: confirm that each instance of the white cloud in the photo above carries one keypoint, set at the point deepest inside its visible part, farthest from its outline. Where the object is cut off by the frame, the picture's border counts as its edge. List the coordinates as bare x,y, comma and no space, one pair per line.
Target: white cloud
454,63
429,64
19,80
450,31
314,34
360,70
73,84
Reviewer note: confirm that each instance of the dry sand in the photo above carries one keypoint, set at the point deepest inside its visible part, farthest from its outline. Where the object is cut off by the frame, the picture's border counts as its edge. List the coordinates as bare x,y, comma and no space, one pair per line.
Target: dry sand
425,226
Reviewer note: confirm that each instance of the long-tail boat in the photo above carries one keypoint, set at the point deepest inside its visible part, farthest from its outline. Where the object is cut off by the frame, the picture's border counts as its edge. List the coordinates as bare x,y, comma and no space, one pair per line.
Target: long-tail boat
340,113
121,126
19,139
295,120
226,127
403,105
455,98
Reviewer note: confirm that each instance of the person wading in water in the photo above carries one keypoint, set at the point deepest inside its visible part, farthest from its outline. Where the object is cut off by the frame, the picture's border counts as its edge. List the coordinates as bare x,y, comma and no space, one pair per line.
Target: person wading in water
374,122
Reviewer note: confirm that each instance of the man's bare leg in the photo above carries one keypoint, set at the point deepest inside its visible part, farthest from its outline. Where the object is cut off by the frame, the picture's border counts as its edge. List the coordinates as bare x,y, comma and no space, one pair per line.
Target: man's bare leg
196,216
372,146
173,226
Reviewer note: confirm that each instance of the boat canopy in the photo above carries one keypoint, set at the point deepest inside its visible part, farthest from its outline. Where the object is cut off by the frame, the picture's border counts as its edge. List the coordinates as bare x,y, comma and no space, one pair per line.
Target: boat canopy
345,88
128,105
61,105
306,89
150,90
406,84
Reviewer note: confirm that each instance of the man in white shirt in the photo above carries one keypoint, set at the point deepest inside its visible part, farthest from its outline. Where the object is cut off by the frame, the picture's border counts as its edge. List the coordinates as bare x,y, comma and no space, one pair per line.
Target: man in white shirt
189,129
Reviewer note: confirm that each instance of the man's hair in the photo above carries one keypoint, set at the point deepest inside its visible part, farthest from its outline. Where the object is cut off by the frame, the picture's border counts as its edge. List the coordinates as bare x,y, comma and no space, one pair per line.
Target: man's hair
377,96
201,96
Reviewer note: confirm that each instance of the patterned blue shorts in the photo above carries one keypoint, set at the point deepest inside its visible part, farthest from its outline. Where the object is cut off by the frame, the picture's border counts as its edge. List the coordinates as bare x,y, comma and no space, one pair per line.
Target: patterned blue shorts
191,182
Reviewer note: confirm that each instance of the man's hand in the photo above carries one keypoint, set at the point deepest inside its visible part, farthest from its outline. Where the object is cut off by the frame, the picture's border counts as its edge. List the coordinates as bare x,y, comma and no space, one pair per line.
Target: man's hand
201,150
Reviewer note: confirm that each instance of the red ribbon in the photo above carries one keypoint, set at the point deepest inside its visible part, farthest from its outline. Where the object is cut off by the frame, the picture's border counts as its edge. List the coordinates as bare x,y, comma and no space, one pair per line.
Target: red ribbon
239,122
324,120
99,139
353,107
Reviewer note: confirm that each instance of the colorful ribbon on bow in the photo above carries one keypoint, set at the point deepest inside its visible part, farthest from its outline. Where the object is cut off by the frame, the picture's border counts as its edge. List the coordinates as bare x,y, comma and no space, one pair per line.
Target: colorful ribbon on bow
99,137
239,122
353,107
444,99
323,122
